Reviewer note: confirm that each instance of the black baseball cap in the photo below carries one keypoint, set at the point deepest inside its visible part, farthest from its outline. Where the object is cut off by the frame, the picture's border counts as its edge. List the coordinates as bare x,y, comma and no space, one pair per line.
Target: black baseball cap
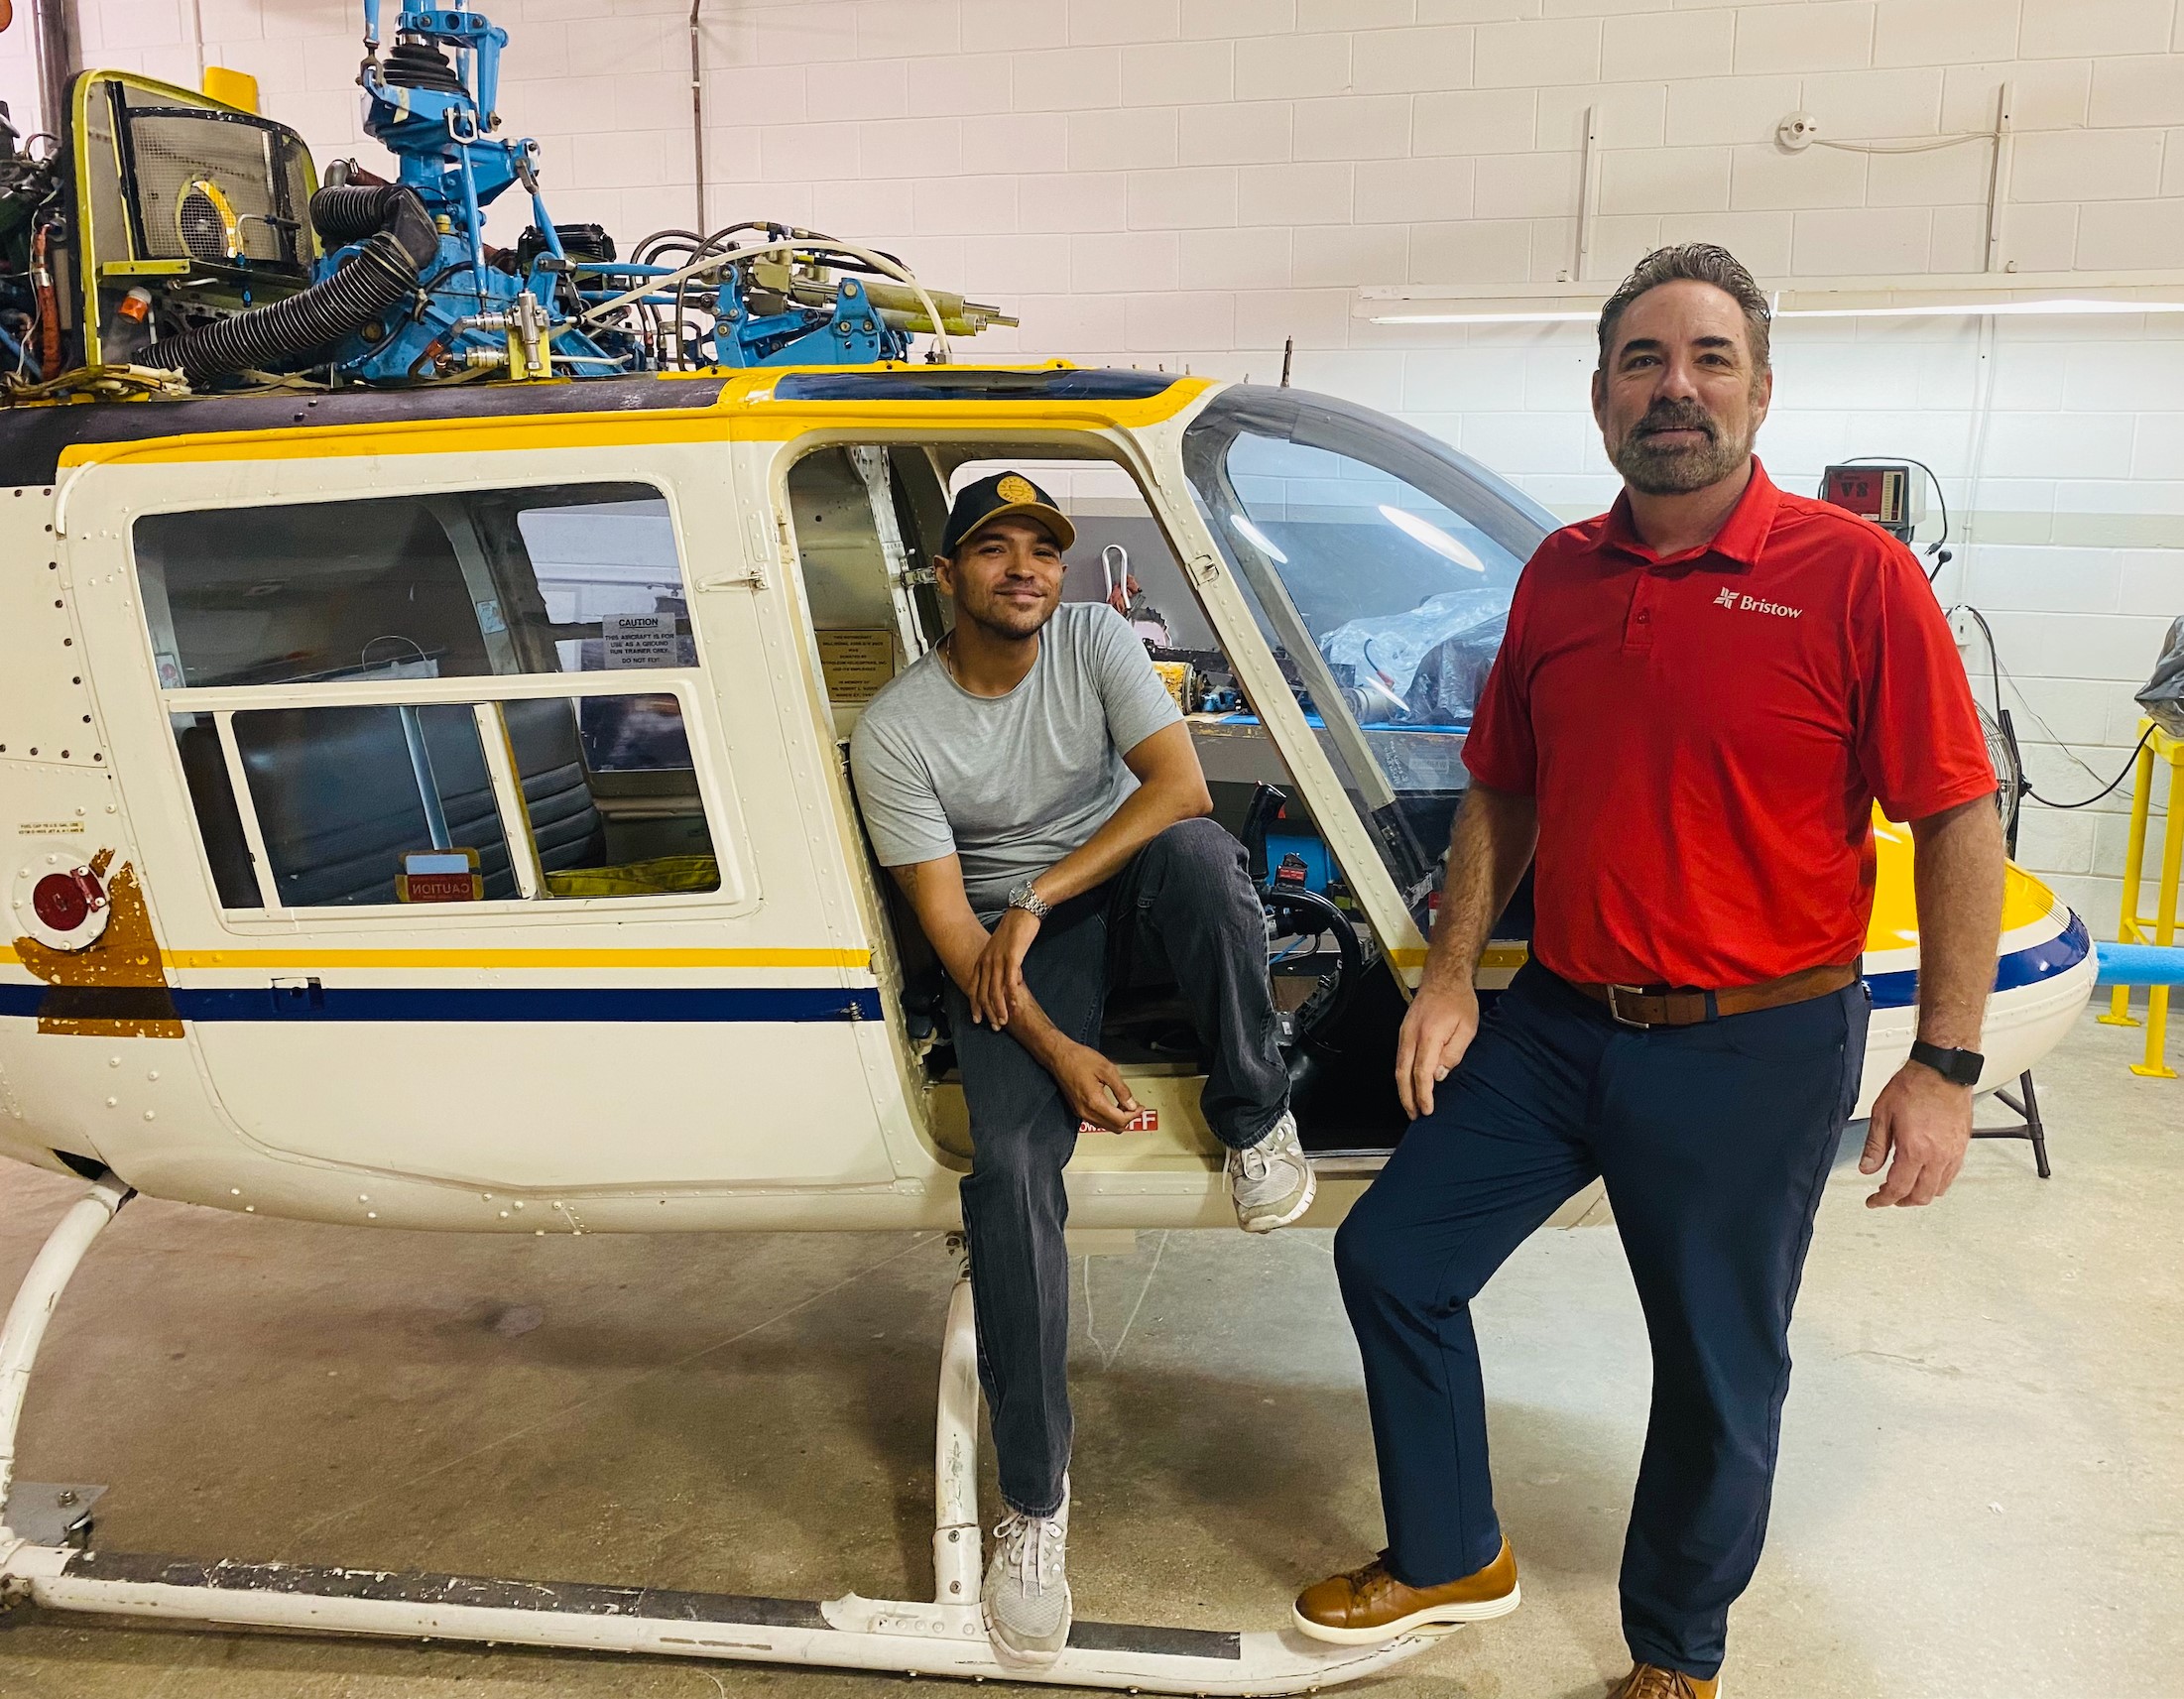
998,497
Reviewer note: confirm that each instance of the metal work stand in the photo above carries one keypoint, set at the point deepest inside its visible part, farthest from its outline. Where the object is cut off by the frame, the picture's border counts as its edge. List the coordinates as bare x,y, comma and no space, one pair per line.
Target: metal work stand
2026,1104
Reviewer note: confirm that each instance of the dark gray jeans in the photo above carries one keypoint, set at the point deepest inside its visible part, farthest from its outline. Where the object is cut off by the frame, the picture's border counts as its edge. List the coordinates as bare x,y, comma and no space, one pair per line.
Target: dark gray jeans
1184,903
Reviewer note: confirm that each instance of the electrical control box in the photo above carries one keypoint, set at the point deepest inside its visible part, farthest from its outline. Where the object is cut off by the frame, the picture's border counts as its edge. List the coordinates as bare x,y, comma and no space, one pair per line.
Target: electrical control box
1892,496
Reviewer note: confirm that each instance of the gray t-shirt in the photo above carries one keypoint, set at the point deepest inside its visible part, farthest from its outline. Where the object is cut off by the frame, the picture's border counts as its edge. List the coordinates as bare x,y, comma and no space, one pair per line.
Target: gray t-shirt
1010,784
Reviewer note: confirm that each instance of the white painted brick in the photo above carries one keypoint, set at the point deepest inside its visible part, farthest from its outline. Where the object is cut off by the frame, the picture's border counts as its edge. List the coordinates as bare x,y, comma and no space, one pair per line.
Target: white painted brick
1121,139
1239,133
2131,234
1016,141
875,208
1486,121
1064,79
1302,196
907,28
1677,46
1862,241
1821,35
1870,105
2135,376
812,32
1355,127
963,205
1765,179
1665,180
1007,26
2087,165
1944,31
1178,74
1476,10
1355,13
1231,19
1762,240
1316,318
951,84
1007,265
1410,192
1248,259
803,152
2045,94
2086,646
1283,68
1072,201
2067,29
1519,443
2046,580
2136,92
1346,259
225,21
912,147
1123,262
1472,250
1468,379
1946,176
1728,108
867,88
2042,238
2060,445
2157,450
2152,583
1073,326
2055,842
1390,62
757,95
1530,55
1526,185
1196,198
1114,22
1153,323
2172,162
1625,114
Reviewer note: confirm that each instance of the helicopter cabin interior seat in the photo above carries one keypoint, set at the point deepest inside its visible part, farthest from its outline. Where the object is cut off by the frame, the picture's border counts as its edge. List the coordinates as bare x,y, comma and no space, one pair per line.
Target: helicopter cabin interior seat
869,519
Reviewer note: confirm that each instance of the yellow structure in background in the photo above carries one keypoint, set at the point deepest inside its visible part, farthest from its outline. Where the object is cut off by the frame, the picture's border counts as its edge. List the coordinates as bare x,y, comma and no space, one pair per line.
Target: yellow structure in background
234,88
2155,745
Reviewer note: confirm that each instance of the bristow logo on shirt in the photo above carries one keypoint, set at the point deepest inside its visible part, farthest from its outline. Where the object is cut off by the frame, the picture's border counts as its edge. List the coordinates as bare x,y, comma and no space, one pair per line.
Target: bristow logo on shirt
1753,604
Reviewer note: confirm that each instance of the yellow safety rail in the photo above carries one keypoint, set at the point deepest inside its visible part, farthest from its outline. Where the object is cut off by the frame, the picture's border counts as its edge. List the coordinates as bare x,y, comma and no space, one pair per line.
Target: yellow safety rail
2132,928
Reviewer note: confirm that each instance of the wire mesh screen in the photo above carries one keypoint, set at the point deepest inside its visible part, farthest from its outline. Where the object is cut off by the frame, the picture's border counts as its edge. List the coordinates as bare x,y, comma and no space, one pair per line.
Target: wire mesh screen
218,190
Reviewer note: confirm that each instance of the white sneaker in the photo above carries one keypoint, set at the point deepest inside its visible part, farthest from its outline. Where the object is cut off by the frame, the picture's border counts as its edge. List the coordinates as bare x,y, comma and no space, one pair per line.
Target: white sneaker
1026,1598
1270,1183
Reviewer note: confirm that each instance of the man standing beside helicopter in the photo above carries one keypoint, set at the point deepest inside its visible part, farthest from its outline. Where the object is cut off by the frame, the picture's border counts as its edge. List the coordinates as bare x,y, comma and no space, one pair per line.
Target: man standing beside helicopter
1701,696
1034,791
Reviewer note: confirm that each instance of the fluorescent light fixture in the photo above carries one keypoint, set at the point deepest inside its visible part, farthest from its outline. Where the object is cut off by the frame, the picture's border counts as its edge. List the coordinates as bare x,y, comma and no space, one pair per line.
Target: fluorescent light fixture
1961,295
1433,537
1257,539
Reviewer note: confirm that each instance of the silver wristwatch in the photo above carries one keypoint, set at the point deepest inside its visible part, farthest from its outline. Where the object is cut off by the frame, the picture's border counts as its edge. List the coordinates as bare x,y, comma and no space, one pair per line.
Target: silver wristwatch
1030,901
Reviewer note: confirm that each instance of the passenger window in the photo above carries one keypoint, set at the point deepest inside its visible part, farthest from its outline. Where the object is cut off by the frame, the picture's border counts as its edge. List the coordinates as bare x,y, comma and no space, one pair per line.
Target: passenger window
364,804
349,799
566,578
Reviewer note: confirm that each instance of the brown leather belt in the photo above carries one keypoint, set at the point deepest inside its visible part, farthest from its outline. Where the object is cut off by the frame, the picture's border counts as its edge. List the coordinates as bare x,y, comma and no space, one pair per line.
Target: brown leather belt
1655,1005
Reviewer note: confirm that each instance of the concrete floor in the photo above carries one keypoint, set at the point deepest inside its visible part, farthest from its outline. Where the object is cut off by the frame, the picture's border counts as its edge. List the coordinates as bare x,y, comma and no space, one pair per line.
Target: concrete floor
1981,1489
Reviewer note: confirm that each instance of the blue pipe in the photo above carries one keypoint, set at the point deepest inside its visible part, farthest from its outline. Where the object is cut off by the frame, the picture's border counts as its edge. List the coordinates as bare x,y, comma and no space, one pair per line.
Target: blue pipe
2141,964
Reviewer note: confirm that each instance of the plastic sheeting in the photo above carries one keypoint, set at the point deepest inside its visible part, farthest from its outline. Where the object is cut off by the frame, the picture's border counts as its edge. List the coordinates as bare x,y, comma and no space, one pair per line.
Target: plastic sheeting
1432,660
2163,696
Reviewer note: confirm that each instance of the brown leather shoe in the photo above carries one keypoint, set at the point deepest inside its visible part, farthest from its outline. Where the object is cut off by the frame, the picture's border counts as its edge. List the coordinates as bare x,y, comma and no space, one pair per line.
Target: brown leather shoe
1370,1605
1650,1681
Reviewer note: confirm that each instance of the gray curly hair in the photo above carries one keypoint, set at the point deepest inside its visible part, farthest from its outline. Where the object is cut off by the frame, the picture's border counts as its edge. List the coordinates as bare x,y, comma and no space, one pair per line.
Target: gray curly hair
1697,262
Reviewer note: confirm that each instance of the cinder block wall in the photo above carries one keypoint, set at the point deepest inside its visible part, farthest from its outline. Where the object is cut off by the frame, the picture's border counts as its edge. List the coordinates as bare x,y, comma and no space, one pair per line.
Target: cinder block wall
1191,181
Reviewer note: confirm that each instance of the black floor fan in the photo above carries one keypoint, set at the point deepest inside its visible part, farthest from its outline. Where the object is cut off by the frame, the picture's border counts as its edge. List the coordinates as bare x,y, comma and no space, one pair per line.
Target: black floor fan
2010,793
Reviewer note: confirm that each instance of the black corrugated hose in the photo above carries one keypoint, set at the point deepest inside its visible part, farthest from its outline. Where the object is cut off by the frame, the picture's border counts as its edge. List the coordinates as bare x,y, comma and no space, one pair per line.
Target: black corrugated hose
402,242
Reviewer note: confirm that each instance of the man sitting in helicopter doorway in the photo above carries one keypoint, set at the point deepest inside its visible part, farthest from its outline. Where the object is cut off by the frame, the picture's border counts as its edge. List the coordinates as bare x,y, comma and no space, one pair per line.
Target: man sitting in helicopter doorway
1035,791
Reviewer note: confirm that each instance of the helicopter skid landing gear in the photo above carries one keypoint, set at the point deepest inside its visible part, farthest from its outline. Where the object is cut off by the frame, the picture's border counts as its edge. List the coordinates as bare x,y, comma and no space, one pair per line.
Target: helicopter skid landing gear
943,1638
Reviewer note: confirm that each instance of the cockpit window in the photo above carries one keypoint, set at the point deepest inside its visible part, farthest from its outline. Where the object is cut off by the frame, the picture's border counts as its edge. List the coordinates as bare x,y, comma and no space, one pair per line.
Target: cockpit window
1379,564
569,578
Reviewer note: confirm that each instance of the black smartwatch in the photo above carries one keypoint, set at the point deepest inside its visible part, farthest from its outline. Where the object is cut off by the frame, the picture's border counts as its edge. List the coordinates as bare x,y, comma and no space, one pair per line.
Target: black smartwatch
1958,1068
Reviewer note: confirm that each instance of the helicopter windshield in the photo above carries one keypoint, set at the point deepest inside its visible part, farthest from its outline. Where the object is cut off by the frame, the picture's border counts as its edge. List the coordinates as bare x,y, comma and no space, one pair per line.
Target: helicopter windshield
1378,563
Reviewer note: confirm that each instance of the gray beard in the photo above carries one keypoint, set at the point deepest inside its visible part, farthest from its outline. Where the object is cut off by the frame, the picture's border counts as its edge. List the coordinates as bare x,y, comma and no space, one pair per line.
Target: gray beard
1652,470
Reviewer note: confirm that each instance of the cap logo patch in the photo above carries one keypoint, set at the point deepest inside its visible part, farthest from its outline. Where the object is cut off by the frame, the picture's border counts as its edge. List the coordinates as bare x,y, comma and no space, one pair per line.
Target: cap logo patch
1014,489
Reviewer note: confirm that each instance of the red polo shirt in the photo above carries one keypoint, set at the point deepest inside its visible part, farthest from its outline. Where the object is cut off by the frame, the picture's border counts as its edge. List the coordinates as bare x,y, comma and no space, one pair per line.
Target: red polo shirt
1706,736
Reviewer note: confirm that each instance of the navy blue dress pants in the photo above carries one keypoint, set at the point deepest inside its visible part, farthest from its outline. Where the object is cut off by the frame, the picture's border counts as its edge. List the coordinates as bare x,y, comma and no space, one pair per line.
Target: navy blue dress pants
1714,1141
